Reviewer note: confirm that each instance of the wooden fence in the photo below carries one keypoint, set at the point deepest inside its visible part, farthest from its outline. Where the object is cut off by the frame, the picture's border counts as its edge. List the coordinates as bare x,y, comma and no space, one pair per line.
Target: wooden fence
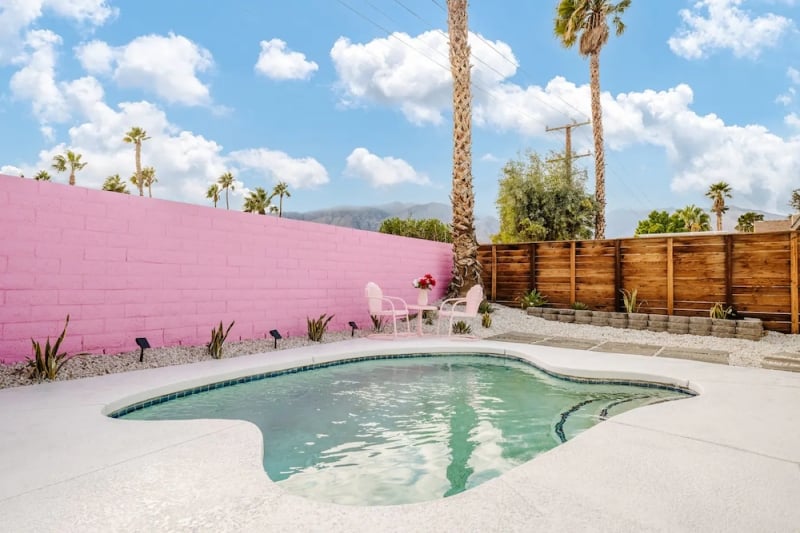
756,273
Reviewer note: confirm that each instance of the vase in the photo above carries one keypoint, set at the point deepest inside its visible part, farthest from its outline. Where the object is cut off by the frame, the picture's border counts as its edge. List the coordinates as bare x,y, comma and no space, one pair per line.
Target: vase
422,297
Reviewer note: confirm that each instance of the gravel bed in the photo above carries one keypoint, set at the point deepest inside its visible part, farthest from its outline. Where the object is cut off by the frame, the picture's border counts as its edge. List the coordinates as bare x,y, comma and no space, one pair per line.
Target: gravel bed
504,319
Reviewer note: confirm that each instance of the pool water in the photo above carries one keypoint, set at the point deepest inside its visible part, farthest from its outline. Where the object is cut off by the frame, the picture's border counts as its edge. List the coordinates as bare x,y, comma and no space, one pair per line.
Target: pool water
394,431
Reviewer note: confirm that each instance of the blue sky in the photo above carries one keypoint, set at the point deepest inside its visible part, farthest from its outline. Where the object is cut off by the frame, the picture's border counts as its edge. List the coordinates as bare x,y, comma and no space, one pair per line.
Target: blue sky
348,101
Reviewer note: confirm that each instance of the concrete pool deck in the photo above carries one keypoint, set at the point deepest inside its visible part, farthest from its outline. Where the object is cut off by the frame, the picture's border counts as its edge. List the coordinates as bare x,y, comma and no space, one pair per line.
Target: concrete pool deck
725,460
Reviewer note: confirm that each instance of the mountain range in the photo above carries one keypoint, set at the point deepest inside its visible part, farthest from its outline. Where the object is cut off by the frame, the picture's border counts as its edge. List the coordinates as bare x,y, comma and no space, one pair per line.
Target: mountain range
619,222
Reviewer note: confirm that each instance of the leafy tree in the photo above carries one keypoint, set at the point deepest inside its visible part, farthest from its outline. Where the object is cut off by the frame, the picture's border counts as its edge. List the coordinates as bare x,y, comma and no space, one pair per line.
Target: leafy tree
42,175
585,22
694,218
213,193
794,203
747,221
538,201
227,182
137,136
71,161
148,178
257,202
281,190
430,229
466,268
718,192
115,184
660,222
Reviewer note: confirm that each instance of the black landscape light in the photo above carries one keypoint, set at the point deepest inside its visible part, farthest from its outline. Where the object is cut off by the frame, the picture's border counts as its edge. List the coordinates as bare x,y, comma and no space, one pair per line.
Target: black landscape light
142,343
275,335
354,326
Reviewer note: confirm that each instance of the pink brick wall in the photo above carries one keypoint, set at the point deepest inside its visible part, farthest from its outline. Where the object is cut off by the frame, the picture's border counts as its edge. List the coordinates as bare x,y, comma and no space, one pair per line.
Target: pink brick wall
124,267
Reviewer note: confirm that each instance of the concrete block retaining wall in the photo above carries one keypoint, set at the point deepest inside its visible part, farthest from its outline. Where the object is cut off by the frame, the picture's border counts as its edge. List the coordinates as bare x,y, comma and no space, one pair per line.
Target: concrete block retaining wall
125,266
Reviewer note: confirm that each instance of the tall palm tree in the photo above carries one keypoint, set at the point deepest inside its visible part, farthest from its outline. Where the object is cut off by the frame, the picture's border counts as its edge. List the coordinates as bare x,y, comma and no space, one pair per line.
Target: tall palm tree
213,193
42,175
137,136
72,161
257,202
281,190
718,192
747,221
227,182
584,22
466,268
115,184
794,202
694,218
149,178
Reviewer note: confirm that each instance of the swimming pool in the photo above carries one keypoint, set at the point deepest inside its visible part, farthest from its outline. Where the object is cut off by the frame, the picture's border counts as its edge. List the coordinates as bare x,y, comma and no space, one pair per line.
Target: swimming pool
404,430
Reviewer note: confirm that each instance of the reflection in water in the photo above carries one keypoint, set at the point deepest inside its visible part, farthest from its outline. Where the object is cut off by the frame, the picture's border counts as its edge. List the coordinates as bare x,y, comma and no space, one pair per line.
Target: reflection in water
406,430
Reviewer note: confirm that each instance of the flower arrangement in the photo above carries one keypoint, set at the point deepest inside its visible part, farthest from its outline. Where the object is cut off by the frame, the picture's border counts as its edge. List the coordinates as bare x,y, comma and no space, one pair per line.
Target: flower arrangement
425,282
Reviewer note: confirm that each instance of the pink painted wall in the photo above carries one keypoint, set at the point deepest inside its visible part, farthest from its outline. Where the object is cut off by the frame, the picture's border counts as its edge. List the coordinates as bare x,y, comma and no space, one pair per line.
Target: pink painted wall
124,267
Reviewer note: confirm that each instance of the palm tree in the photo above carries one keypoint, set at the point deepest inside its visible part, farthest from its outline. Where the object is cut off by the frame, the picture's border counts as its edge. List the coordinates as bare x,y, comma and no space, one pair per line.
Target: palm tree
42,175
584,22
694,218
137,136
718,192
281,190
466,268
257,202
149,178
747,222
72,161
213,193
226,182
115,184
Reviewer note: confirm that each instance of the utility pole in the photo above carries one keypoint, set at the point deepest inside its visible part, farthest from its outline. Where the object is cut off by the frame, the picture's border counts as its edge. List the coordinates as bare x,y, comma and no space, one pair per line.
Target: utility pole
568,156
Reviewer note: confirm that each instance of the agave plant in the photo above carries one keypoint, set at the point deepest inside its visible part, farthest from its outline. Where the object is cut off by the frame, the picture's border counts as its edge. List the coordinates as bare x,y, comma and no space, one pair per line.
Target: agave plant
532,299
486,320
47,362
378,322
218,339
317,326
718,310
629,300
461,328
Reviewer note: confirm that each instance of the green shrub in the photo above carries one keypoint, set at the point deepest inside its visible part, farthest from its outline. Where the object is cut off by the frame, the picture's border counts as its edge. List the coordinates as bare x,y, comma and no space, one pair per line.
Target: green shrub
532,299
579,306
461,328
629,300
317,327
378,322
485,307
217,340
47,363
486,320
429,317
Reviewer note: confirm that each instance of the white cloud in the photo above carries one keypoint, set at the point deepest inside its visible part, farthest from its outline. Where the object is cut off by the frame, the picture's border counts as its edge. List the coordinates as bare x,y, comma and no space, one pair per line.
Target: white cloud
96,57
10,170
412,72
794,75
382,171
35,81
277,62
305,172
16,16
490,158
725,26
792,120
167,66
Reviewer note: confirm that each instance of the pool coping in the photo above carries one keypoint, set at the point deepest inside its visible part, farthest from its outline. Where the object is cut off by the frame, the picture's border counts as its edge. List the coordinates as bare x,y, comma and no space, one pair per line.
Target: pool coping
631,472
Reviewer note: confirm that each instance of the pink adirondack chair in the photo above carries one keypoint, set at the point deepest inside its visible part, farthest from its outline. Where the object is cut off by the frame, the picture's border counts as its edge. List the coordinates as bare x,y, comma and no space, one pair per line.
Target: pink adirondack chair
470,305
386,306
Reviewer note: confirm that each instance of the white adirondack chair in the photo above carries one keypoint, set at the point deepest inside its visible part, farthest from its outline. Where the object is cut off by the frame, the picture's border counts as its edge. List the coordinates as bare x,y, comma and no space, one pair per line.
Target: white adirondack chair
452,308
386,306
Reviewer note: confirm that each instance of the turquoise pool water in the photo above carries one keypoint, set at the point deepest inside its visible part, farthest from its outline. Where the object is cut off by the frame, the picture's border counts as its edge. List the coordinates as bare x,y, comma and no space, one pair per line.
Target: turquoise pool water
396,431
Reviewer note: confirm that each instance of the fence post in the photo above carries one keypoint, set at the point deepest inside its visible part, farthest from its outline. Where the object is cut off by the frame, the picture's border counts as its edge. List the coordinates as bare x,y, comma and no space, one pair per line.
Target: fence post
617,275
494,272
728,270
532,258
793,264
572,272
670,278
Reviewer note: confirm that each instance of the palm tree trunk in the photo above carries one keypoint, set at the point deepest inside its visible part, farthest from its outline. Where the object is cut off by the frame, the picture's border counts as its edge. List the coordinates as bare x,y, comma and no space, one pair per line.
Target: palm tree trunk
227,206
466,269
280,206
72,177
150,190
599,152
719,220
139,180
